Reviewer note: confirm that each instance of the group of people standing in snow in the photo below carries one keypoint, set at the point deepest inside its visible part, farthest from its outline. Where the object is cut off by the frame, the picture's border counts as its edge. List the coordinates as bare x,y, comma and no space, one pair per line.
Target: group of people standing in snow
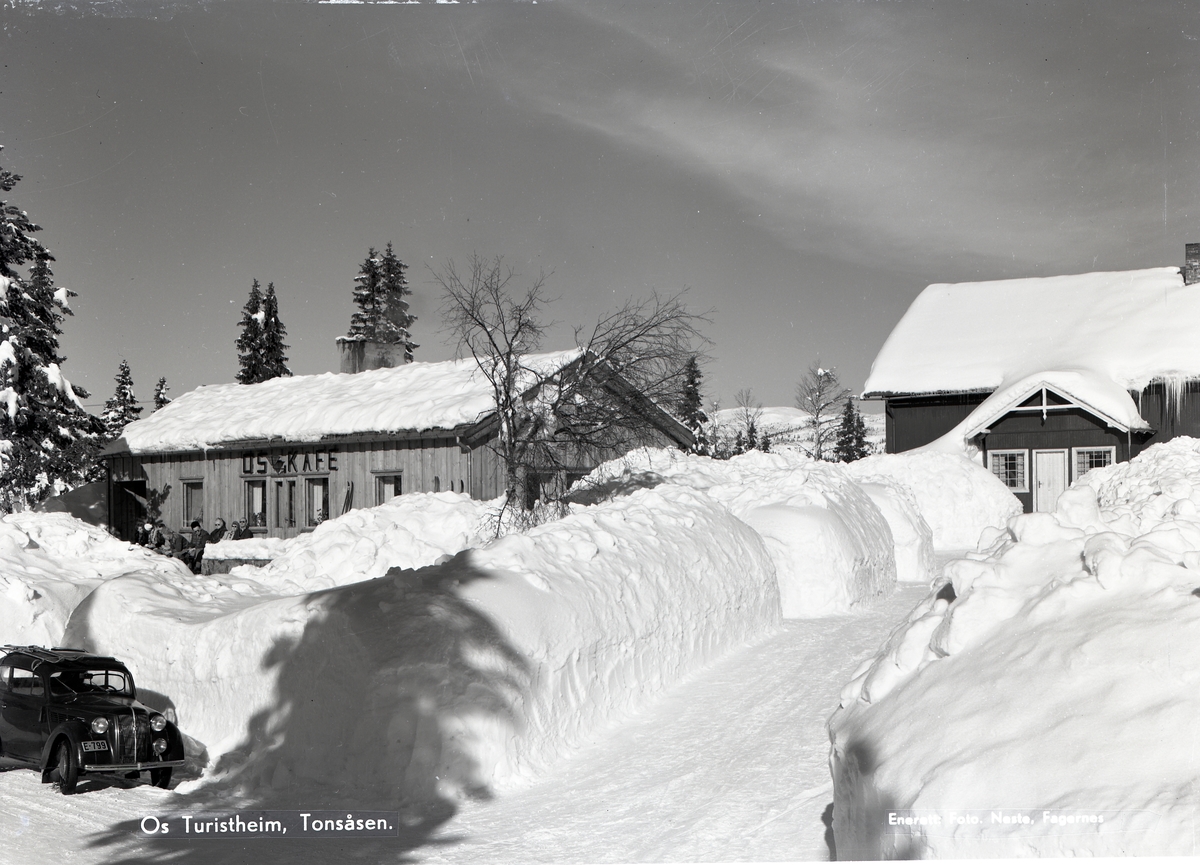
164,540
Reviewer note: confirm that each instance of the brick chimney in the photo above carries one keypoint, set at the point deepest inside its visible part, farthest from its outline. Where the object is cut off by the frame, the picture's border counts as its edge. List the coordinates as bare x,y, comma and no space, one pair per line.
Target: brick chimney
360,355
1191,264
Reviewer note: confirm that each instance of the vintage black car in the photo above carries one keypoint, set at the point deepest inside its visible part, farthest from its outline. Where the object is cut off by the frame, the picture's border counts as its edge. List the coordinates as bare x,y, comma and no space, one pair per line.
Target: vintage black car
70,713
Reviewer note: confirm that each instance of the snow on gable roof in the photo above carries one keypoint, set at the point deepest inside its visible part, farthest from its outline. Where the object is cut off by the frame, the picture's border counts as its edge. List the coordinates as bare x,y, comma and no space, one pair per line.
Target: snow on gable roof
1093,393
416,397
1130,326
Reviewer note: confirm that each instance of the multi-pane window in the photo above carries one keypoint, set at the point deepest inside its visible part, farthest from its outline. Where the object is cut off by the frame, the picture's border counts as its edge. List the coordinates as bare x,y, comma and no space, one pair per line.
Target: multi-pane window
1087,459
318,500
1011,468
387,487
256,503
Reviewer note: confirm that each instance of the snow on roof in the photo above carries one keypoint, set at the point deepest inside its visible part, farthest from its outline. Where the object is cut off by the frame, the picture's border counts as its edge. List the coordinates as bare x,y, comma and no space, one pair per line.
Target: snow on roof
1130,326
415,397
1094,393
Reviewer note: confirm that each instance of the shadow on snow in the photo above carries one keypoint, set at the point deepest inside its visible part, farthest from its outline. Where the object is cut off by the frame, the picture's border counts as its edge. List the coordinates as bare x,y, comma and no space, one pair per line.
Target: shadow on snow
367,715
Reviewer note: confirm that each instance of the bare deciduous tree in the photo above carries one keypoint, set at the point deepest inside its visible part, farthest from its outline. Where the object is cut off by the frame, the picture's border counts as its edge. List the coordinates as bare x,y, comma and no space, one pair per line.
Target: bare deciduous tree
557,413
819,394
749,414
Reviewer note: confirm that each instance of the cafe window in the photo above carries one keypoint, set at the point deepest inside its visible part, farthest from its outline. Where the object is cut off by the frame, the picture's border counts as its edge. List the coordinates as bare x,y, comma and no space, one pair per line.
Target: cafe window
387,487
285,504
256,503
193,501
318,500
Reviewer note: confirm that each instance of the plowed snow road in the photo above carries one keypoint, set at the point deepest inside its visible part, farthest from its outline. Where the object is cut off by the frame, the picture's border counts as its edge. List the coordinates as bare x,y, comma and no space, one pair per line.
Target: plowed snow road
730,765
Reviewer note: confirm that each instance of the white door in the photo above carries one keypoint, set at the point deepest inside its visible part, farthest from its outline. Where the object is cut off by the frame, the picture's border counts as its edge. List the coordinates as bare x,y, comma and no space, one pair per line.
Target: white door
1049,478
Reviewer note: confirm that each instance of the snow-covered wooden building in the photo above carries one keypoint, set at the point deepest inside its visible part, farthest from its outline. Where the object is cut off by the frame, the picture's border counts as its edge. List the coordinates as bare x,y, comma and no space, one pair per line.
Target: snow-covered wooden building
1046,378
287,453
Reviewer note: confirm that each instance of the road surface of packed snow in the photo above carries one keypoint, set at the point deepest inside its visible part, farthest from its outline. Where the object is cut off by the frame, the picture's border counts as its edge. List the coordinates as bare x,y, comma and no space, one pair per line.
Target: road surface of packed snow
732,764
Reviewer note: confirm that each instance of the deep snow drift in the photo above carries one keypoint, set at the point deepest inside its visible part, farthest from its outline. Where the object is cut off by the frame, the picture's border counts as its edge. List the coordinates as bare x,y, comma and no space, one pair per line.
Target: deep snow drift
50,562
957,497
831,545
478,663
1063,667
455,679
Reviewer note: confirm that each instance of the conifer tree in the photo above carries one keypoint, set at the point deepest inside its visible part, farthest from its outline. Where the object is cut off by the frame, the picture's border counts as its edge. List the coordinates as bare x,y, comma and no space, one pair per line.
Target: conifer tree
764,444
851,435
397,318
122,407
691,407
367,297
379,292
249,344
160,394
47,441
274,360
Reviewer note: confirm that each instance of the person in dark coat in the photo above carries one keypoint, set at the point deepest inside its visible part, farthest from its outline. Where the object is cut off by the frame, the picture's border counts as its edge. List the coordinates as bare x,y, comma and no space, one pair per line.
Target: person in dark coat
218,532
242,531
194,553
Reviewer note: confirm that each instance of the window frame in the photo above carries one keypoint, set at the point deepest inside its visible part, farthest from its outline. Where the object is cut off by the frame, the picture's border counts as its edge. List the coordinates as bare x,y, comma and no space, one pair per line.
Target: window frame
381,479
190,487
1075,451
250,484
1024,454
311,483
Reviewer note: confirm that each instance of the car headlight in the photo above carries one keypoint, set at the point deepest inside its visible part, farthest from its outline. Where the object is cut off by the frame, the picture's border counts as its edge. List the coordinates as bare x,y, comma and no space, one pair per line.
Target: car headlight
160,745
157,723
99,725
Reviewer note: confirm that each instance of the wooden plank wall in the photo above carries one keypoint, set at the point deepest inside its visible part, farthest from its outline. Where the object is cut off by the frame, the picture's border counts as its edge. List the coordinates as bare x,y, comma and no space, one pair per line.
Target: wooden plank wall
423,464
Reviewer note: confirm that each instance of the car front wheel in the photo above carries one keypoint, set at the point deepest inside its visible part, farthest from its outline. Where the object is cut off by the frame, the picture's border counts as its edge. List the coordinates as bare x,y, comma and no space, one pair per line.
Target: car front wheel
66,769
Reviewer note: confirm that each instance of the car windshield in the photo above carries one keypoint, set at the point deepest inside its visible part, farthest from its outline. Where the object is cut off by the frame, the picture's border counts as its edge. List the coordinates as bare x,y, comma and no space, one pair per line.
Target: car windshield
91,681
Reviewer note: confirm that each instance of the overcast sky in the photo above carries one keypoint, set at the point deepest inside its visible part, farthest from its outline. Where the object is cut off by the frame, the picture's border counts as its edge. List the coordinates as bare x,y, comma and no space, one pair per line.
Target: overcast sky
804,168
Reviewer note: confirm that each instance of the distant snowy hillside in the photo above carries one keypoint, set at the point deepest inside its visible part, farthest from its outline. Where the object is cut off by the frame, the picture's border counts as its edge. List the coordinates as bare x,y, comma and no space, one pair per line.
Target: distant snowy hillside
1062,664
786,426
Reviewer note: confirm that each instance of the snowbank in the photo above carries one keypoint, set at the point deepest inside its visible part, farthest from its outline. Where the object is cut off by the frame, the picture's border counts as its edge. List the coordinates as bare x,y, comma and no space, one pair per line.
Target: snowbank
454,679
956,497
1062,664
911,535
410,531
831,545
51,562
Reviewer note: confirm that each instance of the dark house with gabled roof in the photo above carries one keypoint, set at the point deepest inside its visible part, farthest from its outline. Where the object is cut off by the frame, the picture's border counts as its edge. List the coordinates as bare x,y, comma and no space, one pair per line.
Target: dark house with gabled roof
1044,379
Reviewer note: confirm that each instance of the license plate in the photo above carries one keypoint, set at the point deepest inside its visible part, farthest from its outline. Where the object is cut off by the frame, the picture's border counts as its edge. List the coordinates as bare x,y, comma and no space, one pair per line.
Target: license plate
95,746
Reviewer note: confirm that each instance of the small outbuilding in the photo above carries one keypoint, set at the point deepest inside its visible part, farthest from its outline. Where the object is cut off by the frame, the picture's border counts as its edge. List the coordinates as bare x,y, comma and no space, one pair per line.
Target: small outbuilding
1045,379
288,453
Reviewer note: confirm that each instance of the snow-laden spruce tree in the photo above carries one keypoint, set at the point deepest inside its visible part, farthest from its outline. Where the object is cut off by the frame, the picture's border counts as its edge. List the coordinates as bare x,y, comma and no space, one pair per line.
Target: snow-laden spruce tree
122,408
47,441
160,394
379,293
851,435
274,361
691,407
249,342
817,394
